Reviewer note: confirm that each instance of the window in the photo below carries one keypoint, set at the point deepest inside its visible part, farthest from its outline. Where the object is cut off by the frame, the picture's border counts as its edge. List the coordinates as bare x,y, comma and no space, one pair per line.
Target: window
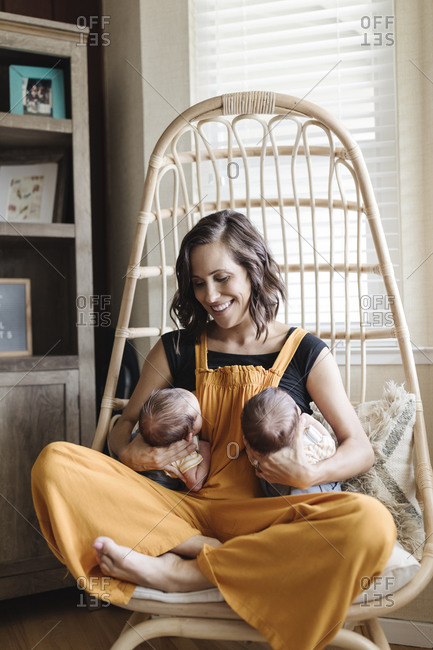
336,53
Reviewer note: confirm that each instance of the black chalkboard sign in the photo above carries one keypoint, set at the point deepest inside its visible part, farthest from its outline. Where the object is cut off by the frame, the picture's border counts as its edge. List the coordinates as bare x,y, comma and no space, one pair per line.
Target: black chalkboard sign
15,317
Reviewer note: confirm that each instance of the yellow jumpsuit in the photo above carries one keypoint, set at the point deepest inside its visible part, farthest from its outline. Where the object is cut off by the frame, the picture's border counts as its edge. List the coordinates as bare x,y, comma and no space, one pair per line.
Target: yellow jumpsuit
290,566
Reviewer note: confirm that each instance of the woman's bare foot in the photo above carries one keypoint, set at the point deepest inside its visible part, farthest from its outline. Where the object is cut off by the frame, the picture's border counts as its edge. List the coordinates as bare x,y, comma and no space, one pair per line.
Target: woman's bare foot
168,572
193,546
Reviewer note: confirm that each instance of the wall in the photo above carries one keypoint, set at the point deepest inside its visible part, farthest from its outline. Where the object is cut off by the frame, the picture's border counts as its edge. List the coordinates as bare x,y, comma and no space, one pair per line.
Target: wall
147,85
124,136
414,24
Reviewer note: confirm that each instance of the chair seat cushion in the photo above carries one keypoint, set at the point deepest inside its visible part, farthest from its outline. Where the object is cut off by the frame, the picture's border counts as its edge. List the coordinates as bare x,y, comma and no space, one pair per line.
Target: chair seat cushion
400,568
205,596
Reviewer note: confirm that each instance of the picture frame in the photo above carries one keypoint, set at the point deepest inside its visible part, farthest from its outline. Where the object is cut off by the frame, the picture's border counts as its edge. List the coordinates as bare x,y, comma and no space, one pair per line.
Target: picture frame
35,90
15,318
33,184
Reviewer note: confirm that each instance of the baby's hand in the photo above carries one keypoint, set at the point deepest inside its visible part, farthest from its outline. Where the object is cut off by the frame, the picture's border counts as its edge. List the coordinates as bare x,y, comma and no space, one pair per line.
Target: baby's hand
195,477
173,470
313,424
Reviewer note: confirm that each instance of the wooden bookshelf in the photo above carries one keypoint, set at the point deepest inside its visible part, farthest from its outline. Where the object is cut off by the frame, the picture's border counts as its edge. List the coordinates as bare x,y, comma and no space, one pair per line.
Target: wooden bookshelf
51,395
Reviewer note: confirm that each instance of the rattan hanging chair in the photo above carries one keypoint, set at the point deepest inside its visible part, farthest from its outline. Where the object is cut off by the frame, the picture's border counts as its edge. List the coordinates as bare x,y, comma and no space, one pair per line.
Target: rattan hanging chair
295,170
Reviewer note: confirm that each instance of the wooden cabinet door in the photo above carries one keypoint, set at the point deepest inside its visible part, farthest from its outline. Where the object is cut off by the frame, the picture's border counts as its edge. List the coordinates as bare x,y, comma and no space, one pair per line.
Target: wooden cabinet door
35,409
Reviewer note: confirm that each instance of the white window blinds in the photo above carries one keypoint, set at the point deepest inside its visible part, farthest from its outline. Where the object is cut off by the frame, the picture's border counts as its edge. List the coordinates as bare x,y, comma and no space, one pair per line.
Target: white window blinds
336,53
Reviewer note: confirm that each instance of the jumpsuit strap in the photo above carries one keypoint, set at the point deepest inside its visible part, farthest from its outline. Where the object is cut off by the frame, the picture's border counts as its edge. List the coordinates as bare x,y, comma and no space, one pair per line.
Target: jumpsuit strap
201,352
288,350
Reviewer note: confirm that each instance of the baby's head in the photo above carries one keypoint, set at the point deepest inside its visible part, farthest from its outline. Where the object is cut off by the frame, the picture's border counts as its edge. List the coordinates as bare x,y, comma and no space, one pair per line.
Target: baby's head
169,415
269,420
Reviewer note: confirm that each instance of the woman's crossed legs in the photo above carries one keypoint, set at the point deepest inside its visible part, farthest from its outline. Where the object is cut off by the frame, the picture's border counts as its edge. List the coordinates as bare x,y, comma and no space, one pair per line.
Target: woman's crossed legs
167,572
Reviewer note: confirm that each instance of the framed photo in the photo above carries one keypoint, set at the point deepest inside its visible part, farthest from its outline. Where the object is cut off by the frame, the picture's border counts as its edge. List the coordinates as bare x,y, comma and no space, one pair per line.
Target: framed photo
36,91
33,185
15,318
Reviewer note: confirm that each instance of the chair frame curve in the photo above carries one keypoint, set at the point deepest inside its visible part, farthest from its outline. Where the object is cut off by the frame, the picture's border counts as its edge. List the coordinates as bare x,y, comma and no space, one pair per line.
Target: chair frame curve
280,104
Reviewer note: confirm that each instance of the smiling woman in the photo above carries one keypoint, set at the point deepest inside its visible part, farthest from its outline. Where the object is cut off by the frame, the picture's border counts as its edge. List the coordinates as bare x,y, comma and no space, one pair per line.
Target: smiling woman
230,349
224,260
225,289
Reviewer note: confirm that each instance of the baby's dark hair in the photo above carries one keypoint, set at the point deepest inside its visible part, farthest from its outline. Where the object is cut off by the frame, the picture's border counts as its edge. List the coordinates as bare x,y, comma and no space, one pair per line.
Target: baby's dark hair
166,417
269,420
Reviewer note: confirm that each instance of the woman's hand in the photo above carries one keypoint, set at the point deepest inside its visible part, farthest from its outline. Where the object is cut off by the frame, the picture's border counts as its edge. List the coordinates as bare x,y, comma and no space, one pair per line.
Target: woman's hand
141,457
288,466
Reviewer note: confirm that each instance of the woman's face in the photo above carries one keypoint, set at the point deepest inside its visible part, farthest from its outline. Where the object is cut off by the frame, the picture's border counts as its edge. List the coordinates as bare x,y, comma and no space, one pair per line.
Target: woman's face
220,285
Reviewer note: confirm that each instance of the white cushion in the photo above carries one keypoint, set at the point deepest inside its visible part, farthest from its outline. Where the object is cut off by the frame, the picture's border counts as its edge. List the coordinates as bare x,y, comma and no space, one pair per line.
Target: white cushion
399,570
212,595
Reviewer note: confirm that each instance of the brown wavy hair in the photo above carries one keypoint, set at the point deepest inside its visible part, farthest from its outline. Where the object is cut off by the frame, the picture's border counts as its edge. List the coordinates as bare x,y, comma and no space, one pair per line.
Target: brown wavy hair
248,249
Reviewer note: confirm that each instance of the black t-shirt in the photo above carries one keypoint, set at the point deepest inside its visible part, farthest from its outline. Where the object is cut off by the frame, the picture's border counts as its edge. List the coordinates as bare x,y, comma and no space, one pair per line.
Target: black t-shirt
182,363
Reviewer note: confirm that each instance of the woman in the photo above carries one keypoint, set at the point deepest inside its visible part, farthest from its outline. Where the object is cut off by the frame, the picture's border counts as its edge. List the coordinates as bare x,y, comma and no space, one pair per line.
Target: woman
301,554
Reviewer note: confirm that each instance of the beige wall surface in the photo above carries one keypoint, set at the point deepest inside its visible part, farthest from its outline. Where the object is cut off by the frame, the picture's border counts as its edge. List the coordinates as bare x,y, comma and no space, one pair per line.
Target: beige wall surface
147,86
147,78
414,64
125,135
